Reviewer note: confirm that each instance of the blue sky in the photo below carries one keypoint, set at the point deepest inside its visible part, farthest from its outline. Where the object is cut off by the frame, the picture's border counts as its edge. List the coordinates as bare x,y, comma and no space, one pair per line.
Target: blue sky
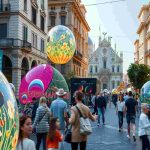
119,20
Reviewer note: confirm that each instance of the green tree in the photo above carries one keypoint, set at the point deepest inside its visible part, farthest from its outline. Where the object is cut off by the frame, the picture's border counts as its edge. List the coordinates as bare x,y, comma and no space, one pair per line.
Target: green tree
68,77
138,74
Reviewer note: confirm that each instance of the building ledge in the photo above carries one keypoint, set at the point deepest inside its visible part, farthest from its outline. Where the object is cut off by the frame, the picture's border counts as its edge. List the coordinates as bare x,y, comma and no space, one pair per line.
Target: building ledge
148,35
144,7
136,41
10,43
140,27
147,52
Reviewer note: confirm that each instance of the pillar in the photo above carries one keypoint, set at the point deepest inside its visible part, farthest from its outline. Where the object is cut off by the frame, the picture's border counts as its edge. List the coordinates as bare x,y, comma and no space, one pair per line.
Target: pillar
16,69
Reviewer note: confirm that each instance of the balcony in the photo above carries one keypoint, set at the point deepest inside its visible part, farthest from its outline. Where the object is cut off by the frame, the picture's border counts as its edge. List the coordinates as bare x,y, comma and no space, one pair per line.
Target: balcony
9,43
147,52
78,54
4,10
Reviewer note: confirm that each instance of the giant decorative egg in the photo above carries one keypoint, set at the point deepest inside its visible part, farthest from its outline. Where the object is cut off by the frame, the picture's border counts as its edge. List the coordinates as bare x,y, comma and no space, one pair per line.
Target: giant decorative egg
61,44
145,93
40,81
9,118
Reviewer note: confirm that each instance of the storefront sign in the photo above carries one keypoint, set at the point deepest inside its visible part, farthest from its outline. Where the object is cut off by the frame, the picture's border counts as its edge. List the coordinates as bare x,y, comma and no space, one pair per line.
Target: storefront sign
1,59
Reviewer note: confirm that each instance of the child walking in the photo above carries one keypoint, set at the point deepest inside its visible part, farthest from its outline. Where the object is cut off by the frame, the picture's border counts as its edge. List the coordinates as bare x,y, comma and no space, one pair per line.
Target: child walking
54,135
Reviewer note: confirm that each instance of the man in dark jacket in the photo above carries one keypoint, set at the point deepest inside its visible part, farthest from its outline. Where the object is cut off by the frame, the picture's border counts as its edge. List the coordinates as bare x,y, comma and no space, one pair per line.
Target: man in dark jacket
35,106
130,108
101,106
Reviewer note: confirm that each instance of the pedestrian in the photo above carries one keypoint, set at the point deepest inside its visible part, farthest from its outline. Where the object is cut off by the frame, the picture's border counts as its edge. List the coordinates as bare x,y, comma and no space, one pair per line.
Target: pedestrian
144,127
101,107
114,99
41,123
120,111
106,98
54,135
59,109
25,130
109,99
35,106
130,108
125,96
28,109
93,100
77,138
138,104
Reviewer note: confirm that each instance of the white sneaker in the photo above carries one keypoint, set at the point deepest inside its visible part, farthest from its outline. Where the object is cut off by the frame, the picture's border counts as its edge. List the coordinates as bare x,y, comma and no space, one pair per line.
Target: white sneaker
128,136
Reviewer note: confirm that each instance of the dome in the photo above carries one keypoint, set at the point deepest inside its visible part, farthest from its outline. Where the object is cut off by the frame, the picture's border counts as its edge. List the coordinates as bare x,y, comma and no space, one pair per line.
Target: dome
90,41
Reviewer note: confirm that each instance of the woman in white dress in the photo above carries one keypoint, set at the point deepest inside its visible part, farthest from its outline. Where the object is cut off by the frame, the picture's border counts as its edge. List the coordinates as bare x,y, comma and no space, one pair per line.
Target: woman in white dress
25,130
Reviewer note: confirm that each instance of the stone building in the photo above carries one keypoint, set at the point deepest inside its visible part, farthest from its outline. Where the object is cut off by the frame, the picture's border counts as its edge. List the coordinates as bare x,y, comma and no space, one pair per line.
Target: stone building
106,65
72,14
23,34
142,45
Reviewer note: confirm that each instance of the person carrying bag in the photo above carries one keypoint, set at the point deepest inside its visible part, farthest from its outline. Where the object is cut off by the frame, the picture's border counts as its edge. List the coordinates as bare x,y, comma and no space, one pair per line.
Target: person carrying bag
41,123
81,127
34,129
85,125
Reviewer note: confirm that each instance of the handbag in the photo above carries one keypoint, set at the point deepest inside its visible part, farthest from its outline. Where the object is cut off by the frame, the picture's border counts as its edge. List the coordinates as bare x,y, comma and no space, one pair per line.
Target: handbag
85,125
68,135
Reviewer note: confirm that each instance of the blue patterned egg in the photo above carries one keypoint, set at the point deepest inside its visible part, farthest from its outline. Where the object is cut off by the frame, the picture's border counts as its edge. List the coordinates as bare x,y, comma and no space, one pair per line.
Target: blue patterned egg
9,118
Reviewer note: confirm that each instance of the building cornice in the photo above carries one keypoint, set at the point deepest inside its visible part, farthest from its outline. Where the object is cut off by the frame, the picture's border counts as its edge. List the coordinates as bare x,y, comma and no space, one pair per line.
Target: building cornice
136,41
75,5
30,22
147,35
148,19
144,7
141,27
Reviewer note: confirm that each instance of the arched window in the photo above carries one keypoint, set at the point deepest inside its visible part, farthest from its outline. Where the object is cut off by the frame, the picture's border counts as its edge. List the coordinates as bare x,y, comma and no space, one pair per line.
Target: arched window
24,66
104,63
96,70
34,63
118,82
118,68
7,68
113,68
91,69
113,84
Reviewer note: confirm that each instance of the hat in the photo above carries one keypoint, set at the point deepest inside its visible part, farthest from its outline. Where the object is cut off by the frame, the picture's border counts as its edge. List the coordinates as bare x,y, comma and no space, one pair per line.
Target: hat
145,105
60,92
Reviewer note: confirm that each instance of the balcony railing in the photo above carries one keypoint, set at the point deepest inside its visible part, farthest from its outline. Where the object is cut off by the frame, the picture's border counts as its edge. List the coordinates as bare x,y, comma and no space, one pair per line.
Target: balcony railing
14,43
147,52
4,8
77,53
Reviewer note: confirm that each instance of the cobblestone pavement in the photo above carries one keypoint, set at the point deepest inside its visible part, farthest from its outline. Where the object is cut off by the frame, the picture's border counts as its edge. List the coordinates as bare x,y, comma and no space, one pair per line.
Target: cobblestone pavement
107,137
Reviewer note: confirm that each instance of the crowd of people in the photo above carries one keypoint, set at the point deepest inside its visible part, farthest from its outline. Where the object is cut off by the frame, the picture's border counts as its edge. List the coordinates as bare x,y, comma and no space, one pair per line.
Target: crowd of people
49,122
129,106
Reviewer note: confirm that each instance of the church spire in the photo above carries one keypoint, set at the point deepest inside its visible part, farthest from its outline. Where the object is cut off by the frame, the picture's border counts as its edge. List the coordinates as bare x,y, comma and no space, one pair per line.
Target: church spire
100,39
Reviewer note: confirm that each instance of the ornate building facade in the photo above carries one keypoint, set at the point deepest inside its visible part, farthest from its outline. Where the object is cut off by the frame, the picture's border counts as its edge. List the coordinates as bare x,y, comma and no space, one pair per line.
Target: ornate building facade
71,13
142,45
106,65
23,34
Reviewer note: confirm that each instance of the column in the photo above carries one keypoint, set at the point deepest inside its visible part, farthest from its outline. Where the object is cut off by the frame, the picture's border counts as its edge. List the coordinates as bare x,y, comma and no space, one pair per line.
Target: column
16,69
